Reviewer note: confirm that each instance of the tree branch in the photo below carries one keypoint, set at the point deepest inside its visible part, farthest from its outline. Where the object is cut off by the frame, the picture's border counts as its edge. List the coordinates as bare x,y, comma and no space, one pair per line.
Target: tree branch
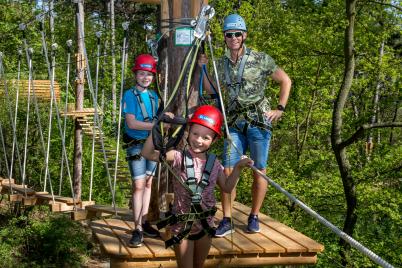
365,127
386,4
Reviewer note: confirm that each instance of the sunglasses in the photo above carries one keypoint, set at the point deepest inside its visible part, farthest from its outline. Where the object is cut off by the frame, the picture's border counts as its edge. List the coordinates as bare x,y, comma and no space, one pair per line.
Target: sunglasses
231,34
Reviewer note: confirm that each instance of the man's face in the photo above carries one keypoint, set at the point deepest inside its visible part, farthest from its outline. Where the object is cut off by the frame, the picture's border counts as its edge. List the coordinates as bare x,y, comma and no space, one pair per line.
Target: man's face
234,39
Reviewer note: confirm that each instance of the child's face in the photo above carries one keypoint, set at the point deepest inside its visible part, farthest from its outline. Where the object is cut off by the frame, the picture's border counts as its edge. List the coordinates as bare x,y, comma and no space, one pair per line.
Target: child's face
200,138
144,78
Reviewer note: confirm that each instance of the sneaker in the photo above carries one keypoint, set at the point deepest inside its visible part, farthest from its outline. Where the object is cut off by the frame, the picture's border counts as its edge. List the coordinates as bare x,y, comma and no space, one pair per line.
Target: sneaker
253,225
148,230
136,240
224,228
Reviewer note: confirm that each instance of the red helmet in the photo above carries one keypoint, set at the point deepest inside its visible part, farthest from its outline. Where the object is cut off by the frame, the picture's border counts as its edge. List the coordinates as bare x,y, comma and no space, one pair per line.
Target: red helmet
208,116
145,62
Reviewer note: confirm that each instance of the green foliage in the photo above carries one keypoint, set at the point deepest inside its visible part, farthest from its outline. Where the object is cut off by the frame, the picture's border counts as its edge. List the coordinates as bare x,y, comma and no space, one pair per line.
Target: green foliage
40,239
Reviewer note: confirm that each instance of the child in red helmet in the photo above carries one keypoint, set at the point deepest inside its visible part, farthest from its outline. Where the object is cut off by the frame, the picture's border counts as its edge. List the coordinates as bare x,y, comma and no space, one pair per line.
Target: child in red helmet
140,104
197,173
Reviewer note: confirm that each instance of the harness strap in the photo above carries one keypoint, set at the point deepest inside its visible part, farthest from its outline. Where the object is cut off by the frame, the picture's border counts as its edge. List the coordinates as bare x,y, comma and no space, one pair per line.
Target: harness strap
192,181
189,219
239,81
144,112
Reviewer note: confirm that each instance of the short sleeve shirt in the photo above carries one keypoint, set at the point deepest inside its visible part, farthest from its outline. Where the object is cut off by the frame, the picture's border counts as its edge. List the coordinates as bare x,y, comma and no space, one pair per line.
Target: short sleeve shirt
182,198
132,106
259,66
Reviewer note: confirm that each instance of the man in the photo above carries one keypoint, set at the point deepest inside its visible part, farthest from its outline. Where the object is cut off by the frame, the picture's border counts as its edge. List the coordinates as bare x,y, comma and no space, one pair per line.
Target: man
243,73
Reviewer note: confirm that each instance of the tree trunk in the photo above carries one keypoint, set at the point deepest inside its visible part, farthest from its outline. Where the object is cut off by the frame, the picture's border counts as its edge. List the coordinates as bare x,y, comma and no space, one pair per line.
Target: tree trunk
79,102
336,139
374,117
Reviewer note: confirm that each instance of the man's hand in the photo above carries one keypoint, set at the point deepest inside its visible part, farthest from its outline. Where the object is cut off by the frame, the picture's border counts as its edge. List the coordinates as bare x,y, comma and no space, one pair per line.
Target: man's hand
274,115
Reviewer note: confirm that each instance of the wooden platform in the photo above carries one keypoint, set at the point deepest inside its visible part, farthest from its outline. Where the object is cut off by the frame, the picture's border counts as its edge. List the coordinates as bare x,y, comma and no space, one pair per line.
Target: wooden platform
276,244
41,87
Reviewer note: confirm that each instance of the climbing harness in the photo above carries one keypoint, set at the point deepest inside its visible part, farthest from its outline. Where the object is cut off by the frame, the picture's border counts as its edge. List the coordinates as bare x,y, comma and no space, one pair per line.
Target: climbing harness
196,212
145,115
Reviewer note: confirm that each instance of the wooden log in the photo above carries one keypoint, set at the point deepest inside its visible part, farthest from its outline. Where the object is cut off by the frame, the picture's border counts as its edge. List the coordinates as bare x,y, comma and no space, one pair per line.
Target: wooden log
29,200
15,198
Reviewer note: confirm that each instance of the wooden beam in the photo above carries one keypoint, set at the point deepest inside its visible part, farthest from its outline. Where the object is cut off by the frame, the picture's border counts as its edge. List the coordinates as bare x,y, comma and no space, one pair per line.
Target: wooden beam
196,7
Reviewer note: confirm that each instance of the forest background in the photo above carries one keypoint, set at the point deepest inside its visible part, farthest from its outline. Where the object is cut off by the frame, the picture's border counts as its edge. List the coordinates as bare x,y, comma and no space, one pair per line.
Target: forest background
350,173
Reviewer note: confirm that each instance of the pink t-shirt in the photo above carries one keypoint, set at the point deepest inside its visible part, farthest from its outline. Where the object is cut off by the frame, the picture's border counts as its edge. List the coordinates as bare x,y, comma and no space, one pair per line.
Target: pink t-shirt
182,198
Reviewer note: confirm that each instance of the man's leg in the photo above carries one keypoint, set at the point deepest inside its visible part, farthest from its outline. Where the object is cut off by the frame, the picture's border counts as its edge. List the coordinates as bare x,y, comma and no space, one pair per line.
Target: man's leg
259,190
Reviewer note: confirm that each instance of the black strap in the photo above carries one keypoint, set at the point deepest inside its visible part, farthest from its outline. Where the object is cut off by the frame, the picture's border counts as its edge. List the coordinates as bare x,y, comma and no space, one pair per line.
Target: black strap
164,143
189,218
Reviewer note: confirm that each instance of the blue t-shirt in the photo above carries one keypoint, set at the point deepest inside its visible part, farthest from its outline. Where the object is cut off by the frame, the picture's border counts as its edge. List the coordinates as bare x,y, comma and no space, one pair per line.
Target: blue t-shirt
132,106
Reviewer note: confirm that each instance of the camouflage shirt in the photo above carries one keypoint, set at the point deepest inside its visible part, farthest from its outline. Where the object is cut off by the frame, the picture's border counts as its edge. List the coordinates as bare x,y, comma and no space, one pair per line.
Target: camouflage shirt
259,66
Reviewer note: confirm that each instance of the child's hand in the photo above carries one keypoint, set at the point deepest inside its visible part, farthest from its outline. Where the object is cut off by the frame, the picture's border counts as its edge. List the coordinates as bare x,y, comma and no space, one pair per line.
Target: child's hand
245,162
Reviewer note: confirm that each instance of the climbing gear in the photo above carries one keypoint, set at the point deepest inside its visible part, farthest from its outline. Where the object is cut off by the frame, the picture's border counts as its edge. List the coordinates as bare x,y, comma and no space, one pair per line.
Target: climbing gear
145,62
137,239
234,22
204,99
235,108
162,143
196,211
208,116
239,81
145,115
225,227
253,225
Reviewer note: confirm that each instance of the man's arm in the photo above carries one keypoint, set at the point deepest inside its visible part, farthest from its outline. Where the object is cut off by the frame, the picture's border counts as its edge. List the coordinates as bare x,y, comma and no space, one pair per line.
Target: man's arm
285,84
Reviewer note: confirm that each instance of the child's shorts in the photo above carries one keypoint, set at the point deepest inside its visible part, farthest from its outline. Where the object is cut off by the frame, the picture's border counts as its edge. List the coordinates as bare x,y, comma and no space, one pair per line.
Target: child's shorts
142,167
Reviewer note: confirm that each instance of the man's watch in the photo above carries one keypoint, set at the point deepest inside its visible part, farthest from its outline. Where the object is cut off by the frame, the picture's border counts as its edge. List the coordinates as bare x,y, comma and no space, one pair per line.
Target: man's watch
280,107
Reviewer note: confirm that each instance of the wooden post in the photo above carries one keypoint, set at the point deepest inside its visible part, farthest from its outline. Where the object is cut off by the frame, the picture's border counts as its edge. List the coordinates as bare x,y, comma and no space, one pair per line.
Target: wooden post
79,100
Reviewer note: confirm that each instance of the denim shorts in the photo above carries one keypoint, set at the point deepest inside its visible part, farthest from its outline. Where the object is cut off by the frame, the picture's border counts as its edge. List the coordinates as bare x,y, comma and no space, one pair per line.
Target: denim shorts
141,168
256,139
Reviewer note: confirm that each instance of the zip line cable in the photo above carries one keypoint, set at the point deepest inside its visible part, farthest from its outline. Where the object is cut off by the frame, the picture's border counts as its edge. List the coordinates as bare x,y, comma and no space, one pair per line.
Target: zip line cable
8,101
69,44
96,115
324,221
123,64
59,127
16,112
5,152
54,47
29,54
98,35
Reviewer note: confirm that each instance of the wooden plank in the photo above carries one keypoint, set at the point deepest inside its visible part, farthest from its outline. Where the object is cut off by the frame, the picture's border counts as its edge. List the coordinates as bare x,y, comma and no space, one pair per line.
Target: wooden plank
62,199
123,232
79,214
248,243
109,243
306,241
59,207
155,245
19,188
15,197
289,244
29,201
7,181
110,210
